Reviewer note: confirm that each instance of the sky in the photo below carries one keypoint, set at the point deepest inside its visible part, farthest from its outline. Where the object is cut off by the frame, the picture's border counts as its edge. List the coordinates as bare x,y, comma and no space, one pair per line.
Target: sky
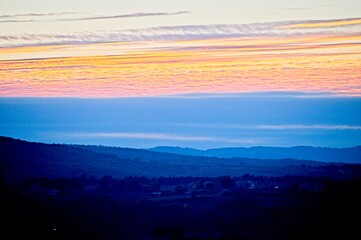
198,121
216,52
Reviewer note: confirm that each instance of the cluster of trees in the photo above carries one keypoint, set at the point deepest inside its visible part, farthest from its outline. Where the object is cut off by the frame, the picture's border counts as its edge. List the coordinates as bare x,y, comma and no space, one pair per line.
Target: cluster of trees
325,214
170,185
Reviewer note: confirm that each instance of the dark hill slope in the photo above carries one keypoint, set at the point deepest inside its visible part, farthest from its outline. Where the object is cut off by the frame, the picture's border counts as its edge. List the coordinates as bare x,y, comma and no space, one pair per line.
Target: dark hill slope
20,159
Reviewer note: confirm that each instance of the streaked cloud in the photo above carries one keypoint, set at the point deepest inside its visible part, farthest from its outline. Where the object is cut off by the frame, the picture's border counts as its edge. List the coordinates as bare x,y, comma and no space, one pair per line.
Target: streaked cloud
227,65
305,127
131,15
273,127
284,29
160,136
307,8
7,16
324,23
296,9
33,17
258,95
17,21
18,18
173,33
186,32
159,61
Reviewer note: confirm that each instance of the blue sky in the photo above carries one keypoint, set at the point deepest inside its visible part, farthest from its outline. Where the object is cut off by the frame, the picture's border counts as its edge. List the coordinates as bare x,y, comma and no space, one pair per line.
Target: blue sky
200,121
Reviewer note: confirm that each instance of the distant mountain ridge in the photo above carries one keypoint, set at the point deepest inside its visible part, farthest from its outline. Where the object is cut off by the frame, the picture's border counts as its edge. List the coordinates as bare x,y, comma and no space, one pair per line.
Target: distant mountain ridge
347,155
20,159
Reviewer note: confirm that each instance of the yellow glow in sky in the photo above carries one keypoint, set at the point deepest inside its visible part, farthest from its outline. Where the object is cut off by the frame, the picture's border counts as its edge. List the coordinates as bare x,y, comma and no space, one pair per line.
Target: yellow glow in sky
335,23
329,63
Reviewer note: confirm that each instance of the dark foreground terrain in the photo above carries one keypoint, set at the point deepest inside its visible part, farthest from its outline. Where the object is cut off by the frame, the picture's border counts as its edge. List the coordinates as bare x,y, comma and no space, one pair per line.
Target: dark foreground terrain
246,207
53,191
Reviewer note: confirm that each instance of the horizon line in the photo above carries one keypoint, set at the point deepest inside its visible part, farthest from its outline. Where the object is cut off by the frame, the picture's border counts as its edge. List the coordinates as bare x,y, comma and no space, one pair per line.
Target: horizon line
197,95
175,146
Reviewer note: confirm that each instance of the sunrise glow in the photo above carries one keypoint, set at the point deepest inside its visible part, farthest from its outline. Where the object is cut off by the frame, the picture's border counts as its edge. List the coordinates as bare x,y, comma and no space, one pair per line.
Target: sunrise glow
330,63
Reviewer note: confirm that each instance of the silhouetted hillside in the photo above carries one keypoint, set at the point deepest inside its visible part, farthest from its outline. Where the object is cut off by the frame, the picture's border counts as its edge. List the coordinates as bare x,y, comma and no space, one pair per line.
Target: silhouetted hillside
20,159
347,155
97,192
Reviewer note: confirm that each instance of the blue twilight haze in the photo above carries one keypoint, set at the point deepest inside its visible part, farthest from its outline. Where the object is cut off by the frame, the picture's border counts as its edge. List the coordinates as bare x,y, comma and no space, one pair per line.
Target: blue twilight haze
199,121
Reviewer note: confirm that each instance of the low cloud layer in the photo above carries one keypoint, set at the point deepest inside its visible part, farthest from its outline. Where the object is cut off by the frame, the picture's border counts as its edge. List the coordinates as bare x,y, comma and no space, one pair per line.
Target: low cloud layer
159,136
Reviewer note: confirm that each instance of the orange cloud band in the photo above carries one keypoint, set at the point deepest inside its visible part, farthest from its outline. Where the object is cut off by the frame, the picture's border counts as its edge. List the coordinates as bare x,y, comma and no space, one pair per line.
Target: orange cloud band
317,24
305,63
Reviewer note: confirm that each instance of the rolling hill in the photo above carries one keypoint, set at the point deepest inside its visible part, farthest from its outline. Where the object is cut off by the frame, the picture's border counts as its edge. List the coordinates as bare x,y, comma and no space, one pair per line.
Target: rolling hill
20,159
347,155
